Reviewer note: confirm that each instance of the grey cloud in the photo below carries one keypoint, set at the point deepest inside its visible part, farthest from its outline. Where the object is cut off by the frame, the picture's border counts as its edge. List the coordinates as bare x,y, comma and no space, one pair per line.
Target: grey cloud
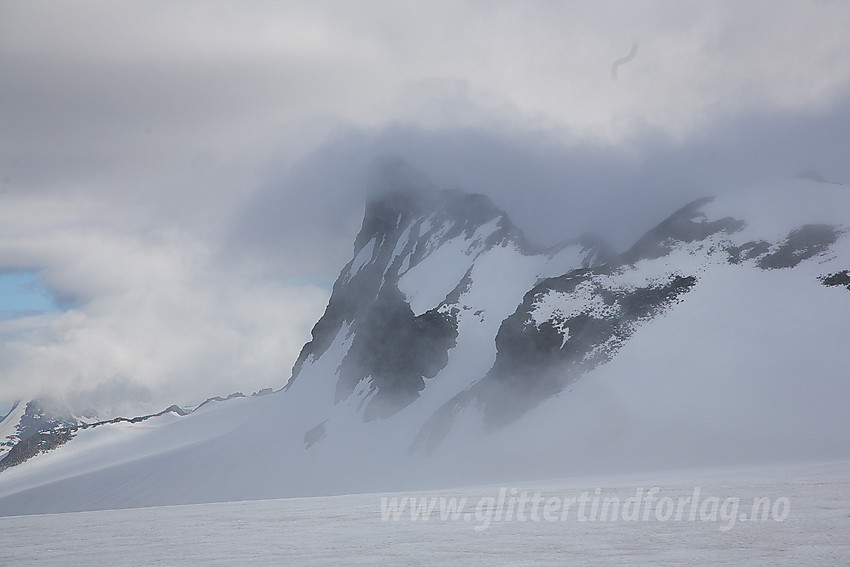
215,157
552,190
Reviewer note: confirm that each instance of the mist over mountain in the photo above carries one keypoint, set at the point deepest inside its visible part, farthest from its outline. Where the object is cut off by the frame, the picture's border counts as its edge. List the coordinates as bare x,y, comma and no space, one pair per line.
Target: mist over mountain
380,282
454,350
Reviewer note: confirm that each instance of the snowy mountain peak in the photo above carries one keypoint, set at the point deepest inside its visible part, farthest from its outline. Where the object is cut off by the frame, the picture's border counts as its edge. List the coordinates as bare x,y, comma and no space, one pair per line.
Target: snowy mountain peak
421,260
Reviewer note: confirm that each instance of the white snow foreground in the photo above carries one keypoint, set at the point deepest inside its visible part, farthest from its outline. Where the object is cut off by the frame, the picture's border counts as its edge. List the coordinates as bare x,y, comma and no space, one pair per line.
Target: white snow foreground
810,527
749,366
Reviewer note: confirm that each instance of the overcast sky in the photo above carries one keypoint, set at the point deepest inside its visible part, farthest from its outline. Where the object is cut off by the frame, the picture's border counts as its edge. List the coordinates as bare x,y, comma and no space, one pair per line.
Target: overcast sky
185,179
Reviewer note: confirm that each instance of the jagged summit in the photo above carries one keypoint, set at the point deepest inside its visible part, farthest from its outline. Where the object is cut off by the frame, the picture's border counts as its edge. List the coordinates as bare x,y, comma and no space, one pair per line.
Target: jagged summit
401,195
450,213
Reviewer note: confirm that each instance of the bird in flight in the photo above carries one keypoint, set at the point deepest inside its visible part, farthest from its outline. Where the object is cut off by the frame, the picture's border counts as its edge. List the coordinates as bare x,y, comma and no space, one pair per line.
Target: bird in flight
623,61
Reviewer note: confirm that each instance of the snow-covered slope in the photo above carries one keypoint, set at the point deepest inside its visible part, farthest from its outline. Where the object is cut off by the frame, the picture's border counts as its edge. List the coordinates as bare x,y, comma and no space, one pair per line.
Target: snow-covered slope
814,529
452,351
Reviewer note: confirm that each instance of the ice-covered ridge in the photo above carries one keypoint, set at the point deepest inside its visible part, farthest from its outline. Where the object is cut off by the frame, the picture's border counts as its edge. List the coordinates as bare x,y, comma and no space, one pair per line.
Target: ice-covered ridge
772,211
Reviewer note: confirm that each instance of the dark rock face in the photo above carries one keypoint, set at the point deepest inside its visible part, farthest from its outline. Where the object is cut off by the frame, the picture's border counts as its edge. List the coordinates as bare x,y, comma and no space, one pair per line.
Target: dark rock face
688,224
837,279
40,442
748,251
804,243
398,351
39,416
535,362
801,244
43,415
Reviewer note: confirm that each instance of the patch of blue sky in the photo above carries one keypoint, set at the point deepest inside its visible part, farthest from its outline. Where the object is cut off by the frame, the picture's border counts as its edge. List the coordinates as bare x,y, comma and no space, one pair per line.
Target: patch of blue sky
22,292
